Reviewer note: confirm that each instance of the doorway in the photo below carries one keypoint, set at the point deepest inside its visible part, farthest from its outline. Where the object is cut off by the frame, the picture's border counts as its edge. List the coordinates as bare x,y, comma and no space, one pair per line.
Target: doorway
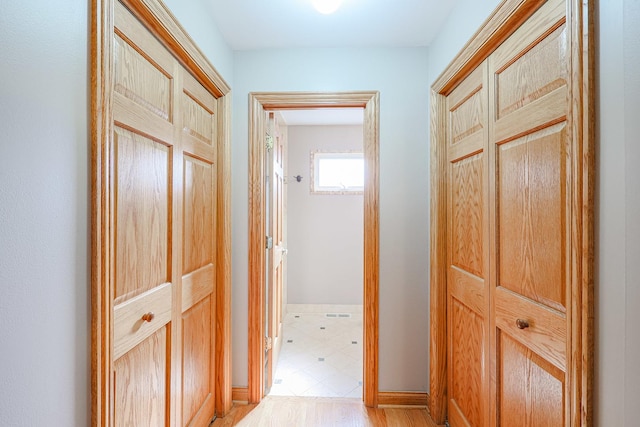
318,220
259,104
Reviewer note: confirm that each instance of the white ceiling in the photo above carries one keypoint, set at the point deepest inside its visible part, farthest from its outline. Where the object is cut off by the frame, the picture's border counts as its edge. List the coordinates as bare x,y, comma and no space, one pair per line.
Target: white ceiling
259,24
325,116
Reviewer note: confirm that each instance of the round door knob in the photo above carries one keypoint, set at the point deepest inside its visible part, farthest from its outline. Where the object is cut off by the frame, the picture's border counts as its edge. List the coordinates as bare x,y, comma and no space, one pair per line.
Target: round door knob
522,324
148,317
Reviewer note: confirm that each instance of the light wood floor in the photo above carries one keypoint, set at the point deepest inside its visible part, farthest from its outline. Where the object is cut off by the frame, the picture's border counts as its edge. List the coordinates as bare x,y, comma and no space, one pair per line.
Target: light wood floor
281,411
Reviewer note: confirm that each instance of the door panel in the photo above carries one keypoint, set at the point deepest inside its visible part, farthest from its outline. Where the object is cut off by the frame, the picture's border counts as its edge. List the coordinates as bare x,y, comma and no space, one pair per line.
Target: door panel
142,214
140,377
142,66
467,350
468,115
531,206
531,203
467,202
467,253
537,71
198,214
198,365
198,120
531,389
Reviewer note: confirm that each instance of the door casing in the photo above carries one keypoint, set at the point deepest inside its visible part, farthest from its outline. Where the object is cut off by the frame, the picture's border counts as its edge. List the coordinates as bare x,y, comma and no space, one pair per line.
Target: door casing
509,15
258,104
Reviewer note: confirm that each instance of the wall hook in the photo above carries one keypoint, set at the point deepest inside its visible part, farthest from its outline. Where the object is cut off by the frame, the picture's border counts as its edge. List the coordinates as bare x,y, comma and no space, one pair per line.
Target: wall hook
298,178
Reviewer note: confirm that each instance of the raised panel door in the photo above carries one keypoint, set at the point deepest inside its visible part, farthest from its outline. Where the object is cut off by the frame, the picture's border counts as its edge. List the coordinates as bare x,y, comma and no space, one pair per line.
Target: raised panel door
164,218
197,135
530,205
143,226
467,253
514,243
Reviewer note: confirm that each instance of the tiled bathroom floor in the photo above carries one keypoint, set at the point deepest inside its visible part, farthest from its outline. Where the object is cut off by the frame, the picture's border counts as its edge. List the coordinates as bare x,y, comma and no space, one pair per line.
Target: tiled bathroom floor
320,356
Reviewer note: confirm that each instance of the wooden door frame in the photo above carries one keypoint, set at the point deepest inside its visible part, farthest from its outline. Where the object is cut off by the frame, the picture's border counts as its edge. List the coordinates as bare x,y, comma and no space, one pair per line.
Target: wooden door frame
507,17
258,102
155,16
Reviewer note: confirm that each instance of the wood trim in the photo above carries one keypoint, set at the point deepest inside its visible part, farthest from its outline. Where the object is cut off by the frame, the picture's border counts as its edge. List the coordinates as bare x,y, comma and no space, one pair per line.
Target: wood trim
102,16
371,251
438,242
403,398
256,251
508,16
588,113
240,394
300,100
582,111
157,18
223,256
312,100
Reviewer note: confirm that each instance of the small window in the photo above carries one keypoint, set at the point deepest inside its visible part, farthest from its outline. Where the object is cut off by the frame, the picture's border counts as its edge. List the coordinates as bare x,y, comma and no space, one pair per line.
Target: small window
337,173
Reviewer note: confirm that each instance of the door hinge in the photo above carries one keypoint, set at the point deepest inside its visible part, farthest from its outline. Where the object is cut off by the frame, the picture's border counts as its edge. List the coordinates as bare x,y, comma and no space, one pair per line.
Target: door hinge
268,343
446,423
269,243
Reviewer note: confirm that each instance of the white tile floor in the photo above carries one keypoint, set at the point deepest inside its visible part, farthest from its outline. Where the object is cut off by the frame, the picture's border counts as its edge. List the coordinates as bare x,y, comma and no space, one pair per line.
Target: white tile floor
321,356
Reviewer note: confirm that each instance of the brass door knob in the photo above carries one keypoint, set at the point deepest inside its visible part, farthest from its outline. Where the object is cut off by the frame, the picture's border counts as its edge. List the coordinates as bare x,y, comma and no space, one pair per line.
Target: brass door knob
148,317
522,324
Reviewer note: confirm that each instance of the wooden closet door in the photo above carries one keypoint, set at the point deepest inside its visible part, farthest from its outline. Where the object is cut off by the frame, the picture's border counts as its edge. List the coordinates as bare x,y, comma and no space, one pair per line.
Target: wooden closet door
468,251
164,194
198,168
143,225
530,208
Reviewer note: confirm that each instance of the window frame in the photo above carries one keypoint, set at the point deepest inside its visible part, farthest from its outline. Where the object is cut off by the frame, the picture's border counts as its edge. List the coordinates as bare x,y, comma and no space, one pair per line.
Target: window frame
314,162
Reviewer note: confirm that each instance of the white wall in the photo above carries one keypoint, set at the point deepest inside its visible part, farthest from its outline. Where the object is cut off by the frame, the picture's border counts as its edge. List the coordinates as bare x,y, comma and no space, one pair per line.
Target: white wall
325,244
632,208
610,229
617,373
44,287
400,76
44,208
